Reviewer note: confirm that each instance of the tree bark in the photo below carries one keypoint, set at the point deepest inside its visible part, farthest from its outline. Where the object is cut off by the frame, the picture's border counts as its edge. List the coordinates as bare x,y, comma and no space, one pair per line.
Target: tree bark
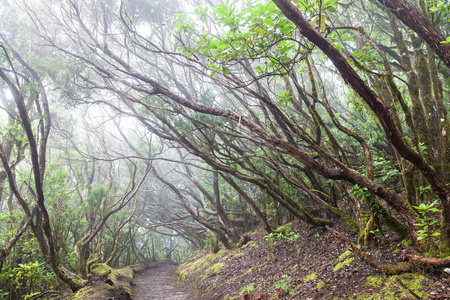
414,20
378,107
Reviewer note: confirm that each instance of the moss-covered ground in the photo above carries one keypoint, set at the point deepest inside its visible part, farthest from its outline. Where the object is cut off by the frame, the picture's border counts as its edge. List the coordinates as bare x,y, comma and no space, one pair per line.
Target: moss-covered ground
316,266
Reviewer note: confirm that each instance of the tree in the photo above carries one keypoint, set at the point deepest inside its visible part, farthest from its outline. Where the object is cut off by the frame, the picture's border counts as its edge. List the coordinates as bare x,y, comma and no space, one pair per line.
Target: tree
310,106
42,229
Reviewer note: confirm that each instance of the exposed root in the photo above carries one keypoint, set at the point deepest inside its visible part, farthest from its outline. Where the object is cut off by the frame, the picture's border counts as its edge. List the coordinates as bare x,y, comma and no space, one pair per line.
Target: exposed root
399,282
389,269
409,258
426,261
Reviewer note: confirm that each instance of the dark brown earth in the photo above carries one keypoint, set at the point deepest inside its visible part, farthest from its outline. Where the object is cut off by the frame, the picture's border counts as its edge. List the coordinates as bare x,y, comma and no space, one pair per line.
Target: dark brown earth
158,283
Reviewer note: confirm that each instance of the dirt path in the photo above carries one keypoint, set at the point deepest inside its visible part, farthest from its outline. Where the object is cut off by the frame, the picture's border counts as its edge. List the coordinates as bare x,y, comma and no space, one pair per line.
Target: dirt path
159,283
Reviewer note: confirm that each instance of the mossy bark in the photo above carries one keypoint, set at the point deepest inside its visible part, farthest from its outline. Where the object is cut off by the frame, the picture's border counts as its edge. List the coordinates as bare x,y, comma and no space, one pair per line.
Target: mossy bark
426,95
418,113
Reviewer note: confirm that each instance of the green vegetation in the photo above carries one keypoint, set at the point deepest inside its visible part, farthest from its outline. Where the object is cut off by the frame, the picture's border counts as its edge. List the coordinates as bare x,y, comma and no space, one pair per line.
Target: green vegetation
247,289
344,255
343,264
212,271
311,276
388,287
285,285
121,278
427,225
132,133
320,285
283,233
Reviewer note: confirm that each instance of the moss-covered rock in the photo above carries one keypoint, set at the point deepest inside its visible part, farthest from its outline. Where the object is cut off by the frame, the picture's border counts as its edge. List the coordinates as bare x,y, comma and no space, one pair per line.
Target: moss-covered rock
101,269
117,287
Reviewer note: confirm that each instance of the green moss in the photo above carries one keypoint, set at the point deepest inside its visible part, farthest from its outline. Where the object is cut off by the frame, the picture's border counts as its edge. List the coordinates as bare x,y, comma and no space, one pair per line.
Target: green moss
399,268
212,271
181,276
101,269
100,291
232,279
320,285
249,244
389,287
343,264
344,255
123,278
310,277
372,296
373,282
284,229
345,216
202,262
120,274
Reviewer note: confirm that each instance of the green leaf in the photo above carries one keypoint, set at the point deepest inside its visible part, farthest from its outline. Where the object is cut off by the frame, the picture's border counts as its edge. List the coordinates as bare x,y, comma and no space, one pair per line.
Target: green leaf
330,2
447,41
269,22
225,70
222,9
322,23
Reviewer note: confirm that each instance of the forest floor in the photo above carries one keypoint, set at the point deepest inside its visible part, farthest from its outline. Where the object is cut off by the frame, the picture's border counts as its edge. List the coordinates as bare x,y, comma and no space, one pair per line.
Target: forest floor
158,282
315,266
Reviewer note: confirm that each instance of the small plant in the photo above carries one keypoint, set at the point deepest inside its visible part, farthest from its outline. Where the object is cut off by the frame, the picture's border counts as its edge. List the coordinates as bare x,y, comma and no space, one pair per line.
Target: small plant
376,235
249,292
284,98
25,280
275,237
284,287
426,223
424,190
359,192
248,289
319,239
30,296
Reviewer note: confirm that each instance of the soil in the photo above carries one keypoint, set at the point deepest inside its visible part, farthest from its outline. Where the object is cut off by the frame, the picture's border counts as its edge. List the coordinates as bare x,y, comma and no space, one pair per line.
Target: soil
158,282
314,266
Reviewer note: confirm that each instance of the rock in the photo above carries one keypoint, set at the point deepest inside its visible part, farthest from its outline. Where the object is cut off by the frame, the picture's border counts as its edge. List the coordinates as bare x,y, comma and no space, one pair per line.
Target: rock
107,283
